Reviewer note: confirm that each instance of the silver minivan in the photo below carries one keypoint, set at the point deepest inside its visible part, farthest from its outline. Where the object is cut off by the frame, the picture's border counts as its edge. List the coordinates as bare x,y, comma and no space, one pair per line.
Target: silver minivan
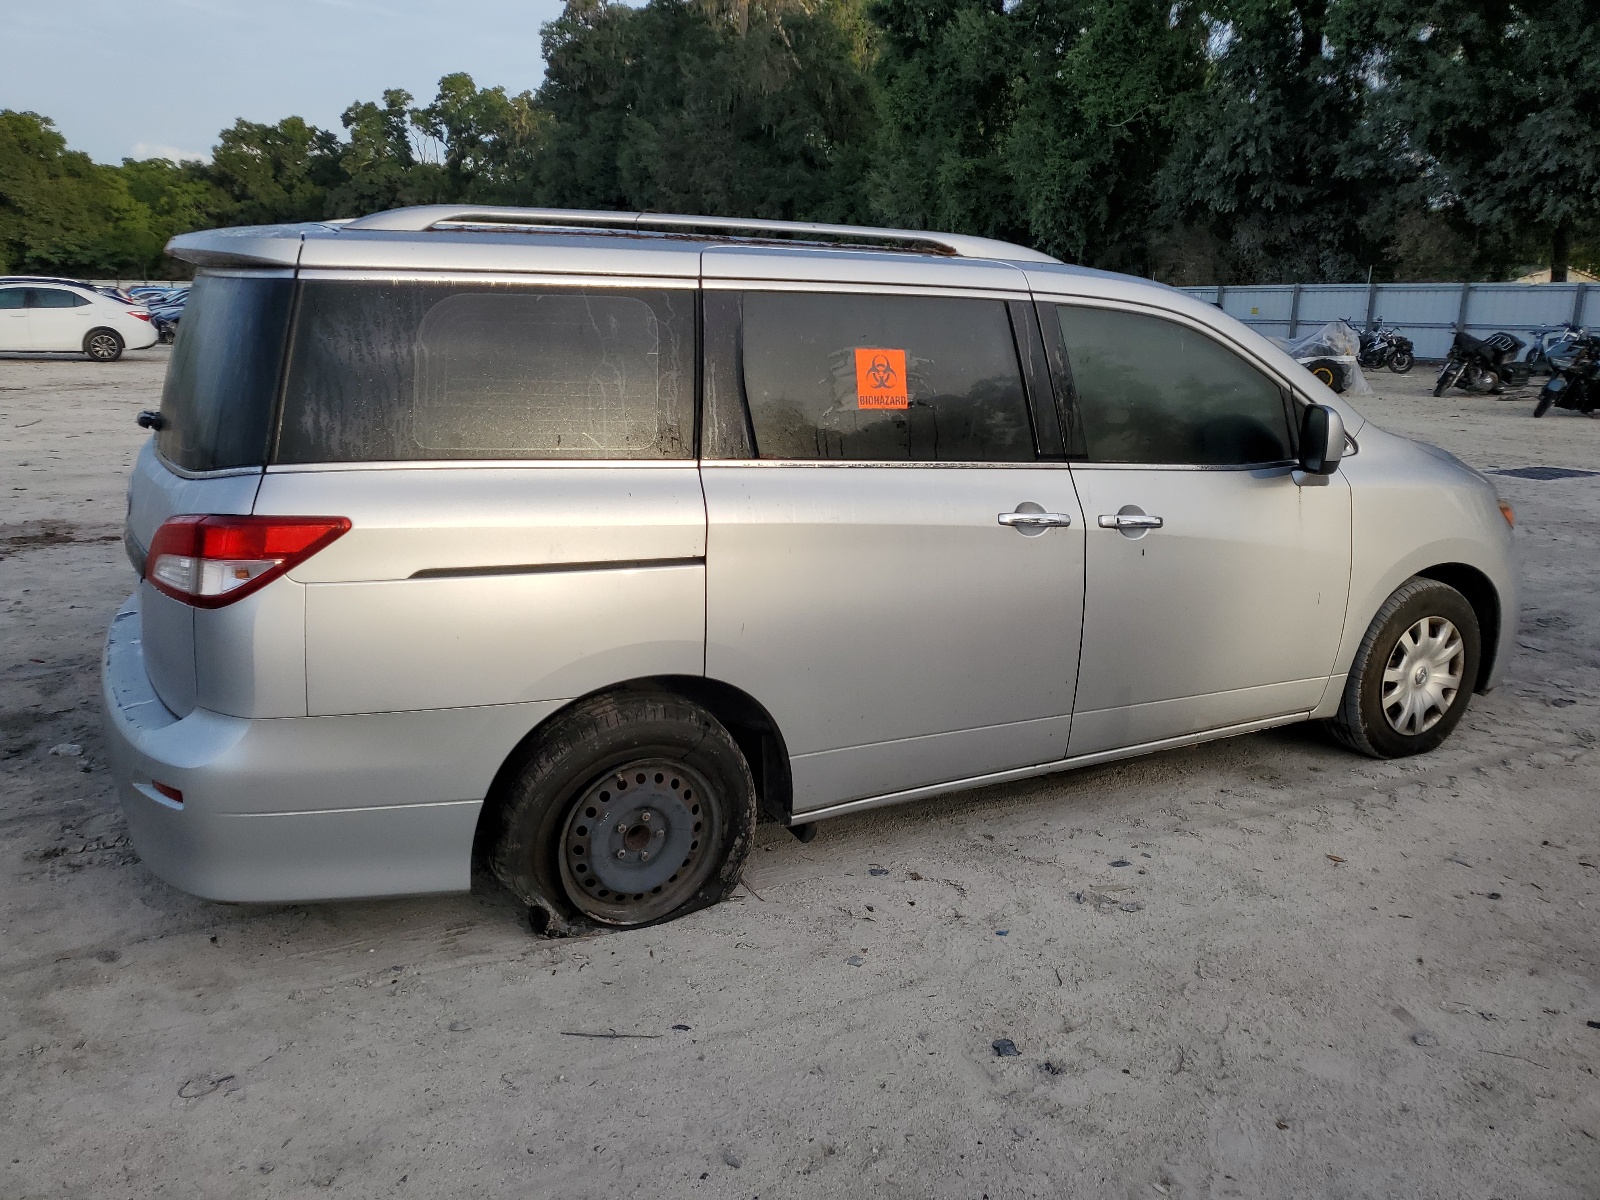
565,543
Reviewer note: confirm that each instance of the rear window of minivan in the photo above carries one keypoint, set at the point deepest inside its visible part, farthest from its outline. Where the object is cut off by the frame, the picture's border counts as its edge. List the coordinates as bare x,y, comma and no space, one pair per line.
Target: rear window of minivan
385,371
217,404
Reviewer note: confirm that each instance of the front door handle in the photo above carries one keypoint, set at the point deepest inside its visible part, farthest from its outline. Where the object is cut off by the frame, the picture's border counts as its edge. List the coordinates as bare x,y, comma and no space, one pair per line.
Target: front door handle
1129,521
1028,521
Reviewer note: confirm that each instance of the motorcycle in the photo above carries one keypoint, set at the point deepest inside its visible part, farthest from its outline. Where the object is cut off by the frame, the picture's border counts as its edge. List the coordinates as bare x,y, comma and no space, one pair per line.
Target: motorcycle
1548,339
1483,365
1574,379
1386,347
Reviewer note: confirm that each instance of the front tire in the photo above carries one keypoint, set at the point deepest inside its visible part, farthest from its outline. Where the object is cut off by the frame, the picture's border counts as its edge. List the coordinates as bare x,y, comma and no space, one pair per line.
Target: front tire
103,345
1413,673
1402,362
630,809
1448,375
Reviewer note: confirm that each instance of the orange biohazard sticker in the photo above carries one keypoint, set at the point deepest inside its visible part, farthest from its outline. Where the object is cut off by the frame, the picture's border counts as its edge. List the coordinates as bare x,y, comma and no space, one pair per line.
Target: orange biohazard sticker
881,379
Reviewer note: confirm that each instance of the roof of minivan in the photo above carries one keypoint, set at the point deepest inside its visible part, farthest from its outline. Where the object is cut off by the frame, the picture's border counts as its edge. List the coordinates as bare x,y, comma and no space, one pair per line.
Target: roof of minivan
444,237
487,240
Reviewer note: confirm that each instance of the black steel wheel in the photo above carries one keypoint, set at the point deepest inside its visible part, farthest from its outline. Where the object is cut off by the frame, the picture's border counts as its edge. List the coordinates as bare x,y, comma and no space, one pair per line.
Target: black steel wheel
628,809
1546,399
637,845
103,345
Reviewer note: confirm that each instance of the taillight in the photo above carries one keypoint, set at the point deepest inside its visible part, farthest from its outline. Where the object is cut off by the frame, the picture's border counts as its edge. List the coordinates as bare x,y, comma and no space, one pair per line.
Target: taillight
209,561
134,312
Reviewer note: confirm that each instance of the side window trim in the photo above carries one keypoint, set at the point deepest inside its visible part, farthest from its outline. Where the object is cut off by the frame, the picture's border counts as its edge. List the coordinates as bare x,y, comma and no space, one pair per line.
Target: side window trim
1061,370
1036,380
1066,397
725,429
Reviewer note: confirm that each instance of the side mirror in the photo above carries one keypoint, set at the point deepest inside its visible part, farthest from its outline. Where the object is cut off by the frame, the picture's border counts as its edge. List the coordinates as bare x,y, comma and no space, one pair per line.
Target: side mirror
1322,440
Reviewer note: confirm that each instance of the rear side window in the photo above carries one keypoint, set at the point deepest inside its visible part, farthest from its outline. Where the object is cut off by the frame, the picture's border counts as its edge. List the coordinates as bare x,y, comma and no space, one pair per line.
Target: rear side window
397,371
883,378
12,297
1152,391
55,298
217,404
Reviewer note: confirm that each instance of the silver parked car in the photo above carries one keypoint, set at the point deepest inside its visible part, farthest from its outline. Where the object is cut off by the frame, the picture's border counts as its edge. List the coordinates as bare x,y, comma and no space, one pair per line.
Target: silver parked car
565,542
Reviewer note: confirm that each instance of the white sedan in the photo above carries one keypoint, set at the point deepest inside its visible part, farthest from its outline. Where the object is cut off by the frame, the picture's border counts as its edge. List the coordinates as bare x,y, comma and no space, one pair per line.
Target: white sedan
58,315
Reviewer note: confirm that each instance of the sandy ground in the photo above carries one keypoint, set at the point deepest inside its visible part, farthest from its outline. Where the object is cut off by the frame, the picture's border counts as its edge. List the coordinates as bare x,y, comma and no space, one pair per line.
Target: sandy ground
1346,979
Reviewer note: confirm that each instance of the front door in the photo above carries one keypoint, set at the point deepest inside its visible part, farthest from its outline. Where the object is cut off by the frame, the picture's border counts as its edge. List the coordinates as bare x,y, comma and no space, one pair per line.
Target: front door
14,326
891,569
1216,574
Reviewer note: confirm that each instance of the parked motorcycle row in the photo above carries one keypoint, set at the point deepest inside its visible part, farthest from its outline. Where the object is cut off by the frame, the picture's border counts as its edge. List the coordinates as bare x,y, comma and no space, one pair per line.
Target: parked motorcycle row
1568,354
1384,346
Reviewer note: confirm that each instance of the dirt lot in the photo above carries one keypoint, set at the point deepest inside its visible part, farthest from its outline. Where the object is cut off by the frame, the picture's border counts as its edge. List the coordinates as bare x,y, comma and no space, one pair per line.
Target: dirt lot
1345,979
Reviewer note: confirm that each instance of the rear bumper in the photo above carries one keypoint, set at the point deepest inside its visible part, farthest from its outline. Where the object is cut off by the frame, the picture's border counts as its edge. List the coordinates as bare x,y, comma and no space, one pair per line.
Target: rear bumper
299,808
140,335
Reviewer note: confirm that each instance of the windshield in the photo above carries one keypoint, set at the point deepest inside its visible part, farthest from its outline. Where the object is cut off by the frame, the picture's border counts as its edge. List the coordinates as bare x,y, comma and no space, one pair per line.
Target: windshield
223,378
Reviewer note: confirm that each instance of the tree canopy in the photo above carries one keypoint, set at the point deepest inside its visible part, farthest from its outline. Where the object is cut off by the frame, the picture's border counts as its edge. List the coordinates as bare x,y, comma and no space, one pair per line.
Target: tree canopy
1191,140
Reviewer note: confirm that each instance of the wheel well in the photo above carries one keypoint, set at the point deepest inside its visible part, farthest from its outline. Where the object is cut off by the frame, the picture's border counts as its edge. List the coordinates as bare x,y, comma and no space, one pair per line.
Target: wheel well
744,717
1480,593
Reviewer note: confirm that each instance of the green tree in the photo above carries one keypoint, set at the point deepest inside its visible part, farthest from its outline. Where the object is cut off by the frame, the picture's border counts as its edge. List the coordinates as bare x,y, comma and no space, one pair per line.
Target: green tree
1499,103
61,213
1272,153
273,173
1097,104
490,140
379,166
743,110
948,74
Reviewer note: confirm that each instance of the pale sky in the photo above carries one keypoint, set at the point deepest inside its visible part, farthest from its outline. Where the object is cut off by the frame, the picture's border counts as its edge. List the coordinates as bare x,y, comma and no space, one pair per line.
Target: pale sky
148,78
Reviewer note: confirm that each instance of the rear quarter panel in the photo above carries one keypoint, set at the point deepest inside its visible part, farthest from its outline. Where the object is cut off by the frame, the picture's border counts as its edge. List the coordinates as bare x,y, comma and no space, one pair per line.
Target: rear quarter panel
155,494
539,582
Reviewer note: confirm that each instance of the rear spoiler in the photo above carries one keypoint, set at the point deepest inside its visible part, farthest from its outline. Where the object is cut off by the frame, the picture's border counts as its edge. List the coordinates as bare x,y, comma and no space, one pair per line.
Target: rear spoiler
246,245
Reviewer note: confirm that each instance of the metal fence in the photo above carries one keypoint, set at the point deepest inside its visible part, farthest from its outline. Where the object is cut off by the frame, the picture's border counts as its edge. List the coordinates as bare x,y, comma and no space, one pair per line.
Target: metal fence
1427,313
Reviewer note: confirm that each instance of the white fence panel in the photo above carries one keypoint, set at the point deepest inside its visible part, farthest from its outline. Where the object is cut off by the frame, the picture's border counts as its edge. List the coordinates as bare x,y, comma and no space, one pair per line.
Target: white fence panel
1492,306
1337,302
1424,312
1427,313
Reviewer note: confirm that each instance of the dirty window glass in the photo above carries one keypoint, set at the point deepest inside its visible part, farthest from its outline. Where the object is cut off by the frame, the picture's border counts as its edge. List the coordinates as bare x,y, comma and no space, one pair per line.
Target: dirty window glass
216,407
883,379
1154,391
390,371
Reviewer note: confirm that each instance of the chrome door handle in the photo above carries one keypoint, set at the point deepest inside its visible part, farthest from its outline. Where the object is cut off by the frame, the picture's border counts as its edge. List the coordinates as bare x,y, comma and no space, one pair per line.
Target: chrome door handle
1128,521
1034,520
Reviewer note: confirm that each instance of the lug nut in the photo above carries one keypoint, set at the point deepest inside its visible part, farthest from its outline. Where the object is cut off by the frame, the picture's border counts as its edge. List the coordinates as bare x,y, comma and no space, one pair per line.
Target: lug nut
622,854
660,833
644,856
644,816
622,827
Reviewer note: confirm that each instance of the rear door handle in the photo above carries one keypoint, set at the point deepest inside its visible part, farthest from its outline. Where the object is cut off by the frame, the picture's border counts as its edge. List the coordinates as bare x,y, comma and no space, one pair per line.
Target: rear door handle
1034,520
1129,521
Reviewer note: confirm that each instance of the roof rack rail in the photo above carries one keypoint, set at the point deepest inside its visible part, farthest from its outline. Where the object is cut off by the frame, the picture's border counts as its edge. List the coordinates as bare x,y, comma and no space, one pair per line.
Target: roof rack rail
425,217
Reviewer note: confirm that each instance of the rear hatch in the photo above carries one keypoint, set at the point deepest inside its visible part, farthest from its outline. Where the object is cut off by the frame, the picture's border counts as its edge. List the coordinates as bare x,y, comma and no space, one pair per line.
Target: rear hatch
209,452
